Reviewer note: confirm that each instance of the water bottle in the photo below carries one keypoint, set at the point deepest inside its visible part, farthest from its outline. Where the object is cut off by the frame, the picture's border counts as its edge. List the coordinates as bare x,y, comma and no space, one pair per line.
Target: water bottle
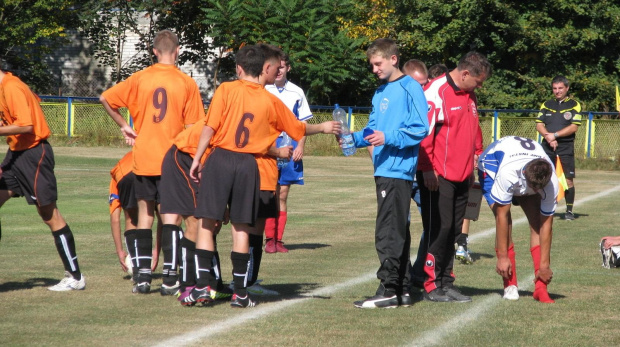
347,145
285,142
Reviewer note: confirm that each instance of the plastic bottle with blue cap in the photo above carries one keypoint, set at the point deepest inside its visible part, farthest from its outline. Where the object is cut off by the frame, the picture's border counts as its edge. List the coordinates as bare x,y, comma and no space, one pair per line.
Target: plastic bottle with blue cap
347,144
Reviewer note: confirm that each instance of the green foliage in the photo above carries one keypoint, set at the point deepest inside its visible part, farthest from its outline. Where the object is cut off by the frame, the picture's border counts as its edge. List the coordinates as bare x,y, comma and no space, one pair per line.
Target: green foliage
29,30
106,24
528,44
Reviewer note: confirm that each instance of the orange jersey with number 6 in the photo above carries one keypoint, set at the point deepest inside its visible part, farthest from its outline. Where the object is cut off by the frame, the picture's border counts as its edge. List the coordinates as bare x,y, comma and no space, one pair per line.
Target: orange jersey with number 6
245,116
162,100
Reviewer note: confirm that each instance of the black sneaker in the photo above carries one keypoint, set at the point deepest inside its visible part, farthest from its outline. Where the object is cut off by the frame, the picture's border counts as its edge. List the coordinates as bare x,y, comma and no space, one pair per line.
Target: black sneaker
569,215
437,295
198,296
378,301
142,288
240,302
170,289
405,300
456,295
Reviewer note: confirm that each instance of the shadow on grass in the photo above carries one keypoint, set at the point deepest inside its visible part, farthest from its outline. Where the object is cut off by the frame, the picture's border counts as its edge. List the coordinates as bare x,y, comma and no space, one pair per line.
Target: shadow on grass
562,216
28,284
478,256
294,246
416,293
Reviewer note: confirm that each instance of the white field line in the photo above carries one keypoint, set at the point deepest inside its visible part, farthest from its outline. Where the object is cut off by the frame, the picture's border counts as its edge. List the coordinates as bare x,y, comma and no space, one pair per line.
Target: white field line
434,336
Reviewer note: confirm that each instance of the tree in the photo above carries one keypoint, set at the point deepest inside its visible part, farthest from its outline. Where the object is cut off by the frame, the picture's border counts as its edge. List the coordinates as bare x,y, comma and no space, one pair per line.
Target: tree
29,30
107,24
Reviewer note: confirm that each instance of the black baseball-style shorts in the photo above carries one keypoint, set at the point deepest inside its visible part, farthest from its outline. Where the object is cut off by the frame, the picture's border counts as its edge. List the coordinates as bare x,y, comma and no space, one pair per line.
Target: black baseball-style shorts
268,204
229,178
147,187
30,173
177,191
126,192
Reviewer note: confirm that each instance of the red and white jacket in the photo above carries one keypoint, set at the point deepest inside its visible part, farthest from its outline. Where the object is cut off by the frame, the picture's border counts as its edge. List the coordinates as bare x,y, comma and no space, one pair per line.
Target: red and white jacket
454,132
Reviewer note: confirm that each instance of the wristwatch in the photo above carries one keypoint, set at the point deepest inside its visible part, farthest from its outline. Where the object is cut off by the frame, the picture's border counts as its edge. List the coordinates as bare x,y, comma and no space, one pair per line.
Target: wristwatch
555,135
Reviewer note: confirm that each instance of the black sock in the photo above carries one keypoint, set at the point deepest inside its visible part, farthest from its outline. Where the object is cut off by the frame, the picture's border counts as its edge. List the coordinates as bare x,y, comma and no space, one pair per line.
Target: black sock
187,263
204,263
240,272
132,250
144,254
169,246
461,240
570,199
216,270
256,255
65,245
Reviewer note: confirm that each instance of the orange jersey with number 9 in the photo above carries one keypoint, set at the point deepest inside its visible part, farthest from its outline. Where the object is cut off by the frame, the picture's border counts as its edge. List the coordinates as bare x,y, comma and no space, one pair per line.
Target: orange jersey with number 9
161,100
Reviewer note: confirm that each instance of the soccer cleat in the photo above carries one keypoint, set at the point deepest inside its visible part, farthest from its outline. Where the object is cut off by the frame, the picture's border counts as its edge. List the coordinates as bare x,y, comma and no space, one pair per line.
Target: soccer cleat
257,289
184,294
270,246
198,296
456,295
569,215
239,302
511,293
405,300
223,294
436,295
142,288
69,283
378,301
170,290
280,247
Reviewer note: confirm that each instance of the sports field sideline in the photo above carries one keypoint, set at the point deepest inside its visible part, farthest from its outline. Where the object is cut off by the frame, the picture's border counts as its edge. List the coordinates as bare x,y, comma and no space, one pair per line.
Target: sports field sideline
331,264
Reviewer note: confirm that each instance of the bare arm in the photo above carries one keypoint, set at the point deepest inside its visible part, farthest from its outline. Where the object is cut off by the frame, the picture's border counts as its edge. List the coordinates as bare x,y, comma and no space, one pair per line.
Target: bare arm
502,239
15,130
282,152
329,127
546,232
115,226
298,153
128,133
203,143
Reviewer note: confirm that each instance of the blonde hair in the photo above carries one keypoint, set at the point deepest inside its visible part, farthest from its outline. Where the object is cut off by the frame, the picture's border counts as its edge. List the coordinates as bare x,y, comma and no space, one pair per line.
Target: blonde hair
383,47
166,42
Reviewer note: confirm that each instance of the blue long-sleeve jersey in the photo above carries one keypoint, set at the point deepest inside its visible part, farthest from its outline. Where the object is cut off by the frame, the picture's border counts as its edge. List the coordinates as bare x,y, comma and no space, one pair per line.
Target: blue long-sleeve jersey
399,110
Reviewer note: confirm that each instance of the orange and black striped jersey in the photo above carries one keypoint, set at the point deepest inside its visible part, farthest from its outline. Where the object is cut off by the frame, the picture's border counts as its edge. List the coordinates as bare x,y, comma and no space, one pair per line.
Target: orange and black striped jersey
120,170
244,115
162,100
20,106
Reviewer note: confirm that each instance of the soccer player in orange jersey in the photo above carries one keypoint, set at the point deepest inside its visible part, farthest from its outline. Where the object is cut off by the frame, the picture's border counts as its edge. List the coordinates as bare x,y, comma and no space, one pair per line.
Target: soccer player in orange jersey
28,169
239,124
162,101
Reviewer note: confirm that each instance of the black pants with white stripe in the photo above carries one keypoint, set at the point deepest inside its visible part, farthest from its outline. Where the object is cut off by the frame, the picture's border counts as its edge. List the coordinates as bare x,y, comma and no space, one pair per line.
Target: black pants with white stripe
442,216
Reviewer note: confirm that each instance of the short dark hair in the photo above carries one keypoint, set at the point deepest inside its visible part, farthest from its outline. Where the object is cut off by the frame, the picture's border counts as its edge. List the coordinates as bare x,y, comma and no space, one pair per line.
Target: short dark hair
437,70
560,79
286,59
251,59
271,52
476,63
166,41
538,173
383,47
415,65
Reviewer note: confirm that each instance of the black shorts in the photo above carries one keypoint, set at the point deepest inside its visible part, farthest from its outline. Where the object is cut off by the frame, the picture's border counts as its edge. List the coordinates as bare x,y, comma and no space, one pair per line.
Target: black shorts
176,190
147,187
229,178
30,173
126,192
567,157
268,204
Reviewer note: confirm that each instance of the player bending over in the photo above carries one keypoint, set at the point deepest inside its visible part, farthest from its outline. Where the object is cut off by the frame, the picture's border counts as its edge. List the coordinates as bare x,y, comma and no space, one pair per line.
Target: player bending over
516,170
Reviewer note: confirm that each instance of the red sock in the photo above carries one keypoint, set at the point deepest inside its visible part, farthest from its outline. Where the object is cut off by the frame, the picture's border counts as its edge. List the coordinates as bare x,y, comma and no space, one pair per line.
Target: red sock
281,225
270,228
512,281
540,288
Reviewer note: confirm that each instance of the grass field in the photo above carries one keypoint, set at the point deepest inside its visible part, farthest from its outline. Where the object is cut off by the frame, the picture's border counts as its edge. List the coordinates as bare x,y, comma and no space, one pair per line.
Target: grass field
331,264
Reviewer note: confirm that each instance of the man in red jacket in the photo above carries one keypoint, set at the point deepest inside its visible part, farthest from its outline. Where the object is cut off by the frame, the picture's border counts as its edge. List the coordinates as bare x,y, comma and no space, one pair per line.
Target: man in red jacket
446,164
